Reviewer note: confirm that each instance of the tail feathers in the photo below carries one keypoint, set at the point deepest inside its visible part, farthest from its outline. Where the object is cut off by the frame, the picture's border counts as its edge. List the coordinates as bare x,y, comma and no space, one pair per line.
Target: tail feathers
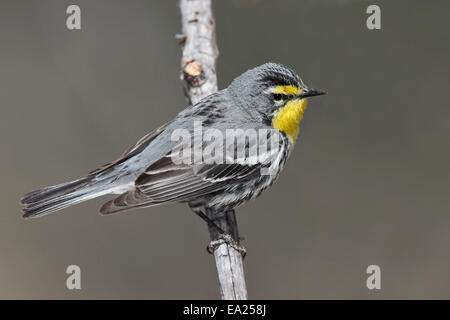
53,191
46,200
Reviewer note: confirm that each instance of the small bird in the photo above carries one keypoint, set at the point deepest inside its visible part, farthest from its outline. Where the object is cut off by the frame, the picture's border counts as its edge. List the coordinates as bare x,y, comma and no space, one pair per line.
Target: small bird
270,97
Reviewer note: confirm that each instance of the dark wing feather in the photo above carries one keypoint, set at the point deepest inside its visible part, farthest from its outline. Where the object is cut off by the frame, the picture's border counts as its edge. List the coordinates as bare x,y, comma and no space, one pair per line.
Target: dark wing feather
164,182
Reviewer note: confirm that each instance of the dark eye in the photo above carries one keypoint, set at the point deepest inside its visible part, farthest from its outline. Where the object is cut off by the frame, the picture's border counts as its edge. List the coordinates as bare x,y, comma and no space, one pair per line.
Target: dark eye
277,97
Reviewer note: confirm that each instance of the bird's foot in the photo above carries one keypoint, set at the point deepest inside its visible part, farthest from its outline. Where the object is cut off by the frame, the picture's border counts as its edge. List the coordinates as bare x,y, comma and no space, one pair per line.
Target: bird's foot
225,238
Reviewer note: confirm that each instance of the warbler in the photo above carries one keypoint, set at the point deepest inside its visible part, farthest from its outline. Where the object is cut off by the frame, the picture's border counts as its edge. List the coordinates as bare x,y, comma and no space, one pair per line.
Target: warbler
270,97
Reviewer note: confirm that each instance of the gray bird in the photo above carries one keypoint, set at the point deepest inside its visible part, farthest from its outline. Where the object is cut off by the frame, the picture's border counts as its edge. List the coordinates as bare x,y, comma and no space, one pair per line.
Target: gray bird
270,98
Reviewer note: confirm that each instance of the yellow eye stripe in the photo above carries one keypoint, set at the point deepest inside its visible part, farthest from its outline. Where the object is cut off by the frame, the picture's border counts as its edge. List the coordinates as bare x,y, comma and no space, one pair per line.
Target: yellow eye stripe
288,90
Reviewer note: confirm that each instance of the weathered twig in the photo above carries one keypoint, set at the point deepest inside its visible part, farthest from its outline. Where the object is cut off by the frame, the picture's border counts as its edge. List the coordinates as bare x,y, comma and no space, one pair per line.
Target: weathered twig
228,255
199,71
199,48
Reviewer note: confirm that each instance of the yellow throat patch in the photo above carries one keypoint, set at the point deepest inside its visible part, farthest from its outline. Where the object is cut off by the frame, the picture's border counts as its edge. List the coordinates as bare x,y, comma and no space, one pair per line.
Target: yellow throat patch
287,118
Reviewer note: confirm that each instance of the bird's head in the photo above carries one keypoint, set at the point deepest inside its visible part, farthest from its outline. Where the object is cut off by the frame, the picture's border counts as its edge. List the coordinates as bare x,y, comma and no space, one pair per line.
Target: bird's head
275,92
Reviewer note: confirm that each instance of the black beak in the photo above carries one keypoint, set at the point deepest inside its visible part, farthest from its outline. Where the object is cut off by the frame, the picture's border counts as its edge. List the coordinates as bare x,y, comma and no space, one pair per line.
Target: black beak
310,92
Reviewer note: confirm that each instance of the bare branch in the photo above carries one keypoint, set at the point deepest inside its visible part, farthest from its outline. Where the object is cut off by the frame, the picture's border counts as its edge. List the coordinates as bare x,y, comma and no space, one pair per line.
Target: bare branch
198,65
199,48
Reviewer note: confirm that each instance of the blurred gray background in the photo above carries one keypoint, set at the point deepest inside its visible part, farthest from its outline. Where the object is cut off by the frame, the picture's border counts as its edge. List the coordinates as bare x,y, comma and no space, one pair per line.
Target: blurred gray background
368,182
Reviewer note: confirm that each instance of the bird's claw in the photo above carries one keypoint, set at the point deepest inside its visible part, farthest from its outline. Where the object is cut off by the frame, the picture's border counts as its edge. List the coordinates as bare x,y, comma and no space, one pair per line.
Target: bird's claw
226,238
